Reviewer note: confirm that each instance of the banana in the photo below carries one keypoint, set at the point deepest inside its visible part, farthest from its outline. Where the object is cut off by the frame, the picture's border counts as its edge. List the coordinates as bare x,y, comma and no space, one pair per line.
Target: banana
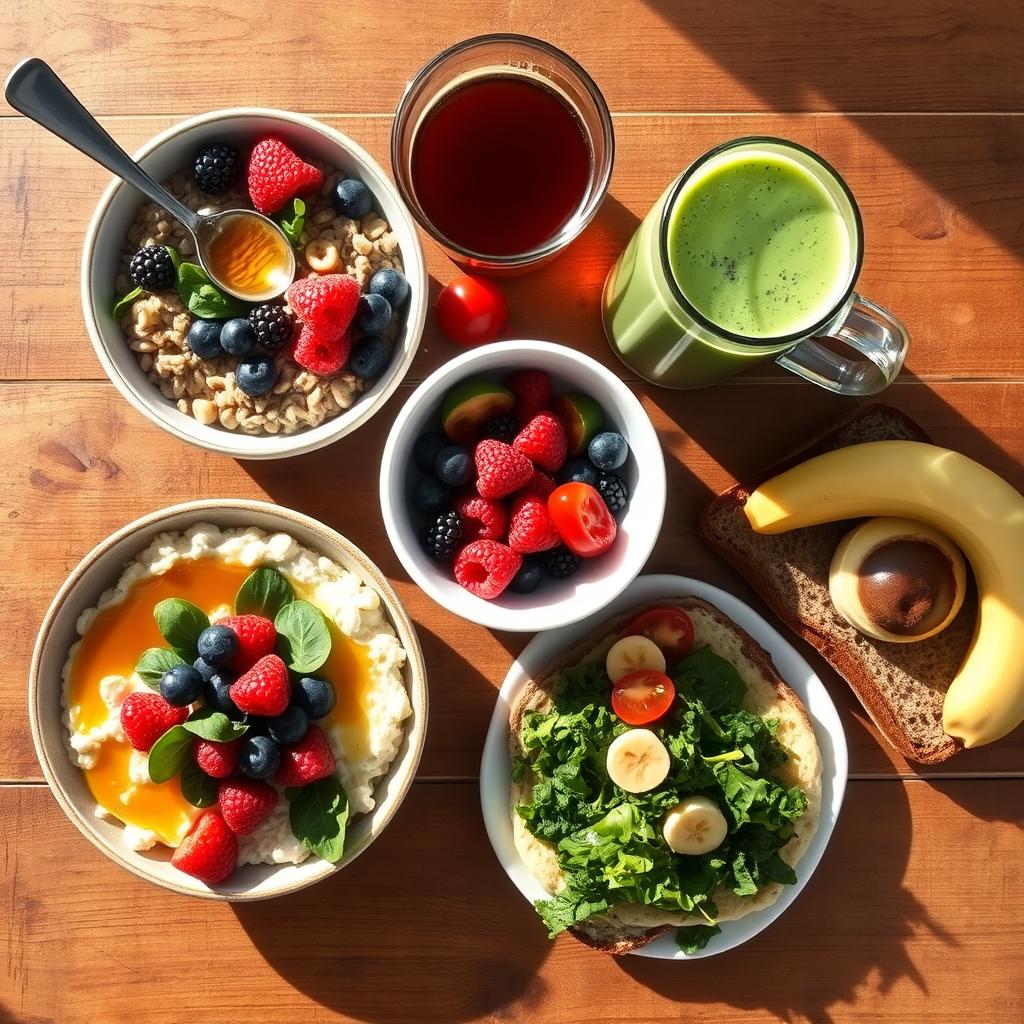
632,653
973,506
637,761
694,826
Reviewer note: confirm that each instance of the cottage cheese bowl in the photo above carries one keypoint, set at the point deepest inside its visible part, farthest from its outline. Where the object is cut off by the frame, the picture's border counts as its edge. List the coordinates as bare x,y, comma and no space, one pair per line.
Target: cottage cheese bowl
202,551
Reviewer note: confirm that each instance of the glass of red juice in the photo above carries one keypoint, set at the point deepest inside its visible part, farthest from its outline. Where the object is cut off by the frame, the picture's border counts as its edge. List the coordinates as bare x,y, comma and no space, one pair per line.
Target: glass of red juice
502,147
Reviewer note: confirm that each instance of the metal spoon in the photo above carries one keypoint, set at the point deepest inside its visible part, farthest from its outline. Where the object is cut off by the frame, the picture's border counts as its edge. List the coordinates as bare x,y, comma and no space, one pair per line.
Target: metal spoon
34,89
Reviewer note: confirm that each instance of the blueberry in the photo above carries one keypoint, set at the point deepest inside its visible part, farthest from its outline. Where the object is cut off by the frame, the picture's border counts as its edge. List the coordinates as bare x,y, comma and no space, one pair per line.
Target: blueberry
258,757
238,337
391,284
204,338
181,685
608,450
289,726
425,450
453,466
529,576
205,669
314,695
256,375
217,644
373,314
578,471
216,695
430,496
369,358
352,198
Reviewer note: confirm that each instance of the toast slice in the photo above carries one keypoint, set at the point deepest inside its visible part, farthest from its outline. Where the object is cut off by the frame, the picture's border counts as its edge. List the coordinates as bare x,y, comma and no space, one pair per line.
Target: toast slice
902,686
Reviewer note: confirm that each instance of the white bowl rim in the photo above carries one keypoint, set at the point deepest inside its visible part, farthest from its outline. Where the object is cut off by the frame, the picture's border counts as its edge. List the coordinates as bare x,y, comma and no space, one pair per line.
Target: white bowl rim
271,446
487,614
543,649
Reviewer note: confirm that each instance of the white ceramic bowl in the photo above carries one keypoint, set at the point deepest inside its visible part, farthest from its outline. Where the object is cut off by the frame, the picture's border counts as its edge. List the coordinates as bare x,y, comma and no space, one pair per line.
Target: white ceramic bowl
172,151
495,781
99,570
598,580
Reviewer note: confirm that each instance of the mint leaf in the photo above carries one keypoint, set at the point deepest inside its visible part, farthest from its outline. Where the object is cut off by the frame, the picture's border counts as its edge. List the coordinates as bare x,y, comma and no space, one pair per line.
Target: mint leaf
170,754
567,908
319,816
122,304
695,937
197,787
210,724
204,298
180,623
265,592
175,258
303,637
153,663
292,218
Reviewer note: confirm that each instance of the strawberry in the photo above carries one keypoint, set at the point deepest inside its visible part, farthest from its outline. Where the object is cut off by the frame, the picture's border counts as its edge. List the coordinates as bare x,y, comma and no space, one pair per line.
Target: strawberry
481,518
532,389
244,803
145,717
322,354
276,174
530,527
327,304
542,440
218,760
485,568
256,639
500,469
210,850
306,761
540,485
264,690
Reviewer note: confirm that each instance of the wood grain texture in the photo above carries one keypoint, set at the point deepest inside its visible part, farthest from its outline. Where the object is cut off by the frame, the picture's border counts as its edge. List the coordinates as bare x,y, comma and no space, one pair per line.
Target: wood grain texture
426,927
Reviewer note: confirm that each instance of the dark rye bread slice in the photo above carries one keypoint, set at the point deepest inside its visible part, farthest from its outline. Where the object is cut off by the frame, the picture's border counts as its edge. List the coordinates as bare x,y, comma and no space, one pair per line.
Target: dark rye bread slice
902,686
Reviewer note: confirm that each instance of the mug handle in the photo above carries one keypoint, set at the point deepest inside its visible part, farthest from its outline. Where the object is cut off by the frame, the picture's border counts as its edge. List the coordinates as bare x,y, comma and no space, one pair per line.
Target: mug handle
870,330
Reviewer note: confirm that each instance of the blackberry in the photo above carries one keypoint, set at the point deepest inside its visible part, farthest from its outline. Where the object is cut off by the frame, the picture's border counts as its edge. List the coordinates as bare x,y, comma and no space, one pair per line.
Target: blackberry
443,535
217,168
613,490
502,428
560,562
153,269
272,324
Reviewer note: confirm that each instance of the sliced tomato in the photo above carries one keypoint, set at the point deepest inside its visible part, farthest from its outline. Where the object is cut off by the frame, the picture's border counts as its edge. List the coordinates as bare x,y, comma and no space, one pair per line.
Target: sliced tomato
642,696
582,519
670,628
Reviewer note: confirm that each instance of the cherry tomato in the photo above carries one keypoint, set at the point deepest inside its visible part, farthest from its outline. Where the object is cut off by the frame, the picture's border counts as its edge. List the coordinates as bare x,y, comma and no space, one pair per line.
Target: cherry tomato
670,628
582,519
471,310
642,696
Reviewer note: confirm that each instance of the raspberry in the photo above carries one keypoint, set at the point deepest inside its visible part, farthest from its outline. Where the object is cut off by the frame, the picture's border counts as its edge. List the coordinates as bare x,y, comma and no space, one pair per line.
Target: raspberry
145,717
532,389
530,527
218,760
210,850
322,354
500,469
485,568
256,639
543,441
540,485
482,519
306,761
326,303
276,174
244,803
263,690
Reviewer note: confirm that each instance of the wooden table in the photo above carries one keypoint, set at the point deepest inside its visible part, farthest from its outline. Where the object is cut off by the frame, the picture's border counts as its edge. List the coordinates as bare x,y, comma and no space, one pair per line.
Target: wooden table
917,911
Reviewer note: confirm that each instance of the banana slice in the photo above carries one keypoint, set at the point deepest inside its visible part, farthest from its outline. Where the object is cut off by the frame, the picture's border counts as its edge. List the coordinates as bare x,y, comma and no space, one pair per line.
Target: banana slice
695,826
637,761
631,654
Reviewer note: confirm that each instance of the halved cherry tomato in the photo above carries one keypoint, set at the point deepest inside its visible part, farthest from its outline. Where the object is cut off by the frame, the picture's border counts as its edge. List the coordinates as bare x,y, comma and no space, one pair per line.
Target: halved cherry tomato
670,628
582,519
642,696
472,311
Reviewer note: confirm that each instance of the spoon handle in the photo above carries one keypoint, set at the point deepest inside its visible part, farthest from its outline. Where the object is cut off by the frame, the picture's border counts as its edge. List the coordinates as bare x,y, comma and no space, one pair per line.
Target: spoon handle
34,89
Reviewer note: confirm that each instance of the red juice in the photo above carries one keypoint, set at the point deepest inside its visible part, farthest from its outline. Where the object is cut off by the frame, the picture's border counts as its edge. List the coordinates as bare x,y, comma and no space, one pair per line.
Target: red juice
500,165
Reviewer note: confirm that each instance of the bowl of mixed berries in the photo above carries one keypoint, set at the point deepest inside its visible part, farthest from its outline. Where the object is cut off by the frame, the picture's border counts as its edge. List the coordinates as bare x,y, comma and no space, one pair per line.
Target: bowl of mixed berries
522,486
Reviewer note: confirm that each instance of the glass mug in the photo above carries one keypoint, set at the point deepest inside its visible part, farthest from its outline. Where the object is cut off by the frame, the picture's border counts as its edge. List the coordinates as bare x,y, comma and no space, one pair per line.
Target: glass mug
659,332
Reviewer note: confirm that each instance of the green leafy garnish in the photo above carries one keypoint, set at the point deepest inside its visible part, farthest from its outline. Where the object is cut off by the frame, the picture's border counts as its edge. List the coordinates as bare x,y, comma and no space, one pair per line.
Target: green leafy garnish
153,663
124,302
265,592
180,622
169,755
210,724
319,816
197,787
203,297
175,258
711,679
303,638
292,218
695,937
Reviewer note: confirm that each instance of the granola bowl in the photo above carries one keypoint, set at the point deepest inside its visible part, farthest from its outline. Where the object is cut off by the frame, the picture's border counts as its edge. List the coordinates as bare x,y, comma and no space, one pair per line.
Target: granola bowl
143,349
